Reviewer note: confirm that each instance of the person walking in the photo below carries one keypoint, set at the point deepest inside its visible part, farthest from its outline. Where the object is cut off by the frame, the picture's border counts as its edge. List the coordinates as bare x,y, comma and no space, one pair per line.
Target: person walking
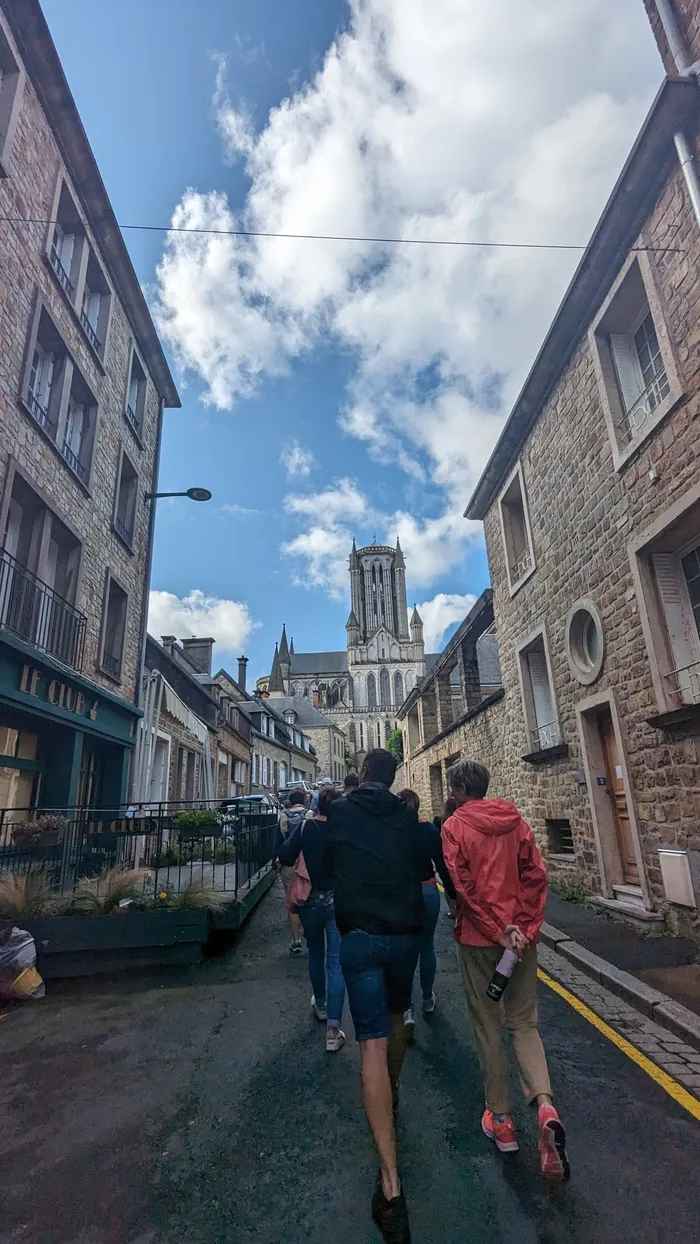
501,884
351,782
374,858
318,920
314,799
292,819
431,910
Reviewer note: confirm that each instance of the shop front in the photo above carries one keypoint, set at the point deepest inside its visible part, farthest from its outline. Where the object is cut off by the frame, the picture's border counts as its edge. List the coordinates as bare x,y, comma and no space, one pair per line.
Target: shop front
64,742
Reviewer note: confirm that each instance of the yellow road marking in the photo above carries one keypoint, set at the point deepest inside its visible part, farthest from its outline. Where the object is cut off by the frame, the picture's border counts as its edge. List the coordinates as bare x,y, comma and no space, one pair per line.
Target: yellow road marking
662,1078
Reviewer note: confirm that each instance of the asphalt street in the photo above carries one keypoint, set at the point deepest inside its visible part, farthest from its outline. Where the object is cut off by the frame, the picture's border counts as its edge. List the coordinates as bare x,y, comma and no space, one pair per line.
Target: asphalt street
200,1107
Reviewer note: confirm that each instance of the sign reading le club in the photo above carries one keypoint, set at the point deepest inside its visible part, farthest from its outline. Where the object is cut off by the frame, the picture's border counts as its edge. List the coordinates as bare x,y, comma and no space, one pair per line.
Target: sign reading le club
60,694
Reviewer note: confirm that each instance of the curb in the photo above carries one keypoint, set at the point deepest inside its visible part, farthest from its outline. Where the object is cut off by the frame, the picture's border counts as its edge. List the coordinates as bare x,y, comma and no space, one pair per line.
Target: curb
651,1002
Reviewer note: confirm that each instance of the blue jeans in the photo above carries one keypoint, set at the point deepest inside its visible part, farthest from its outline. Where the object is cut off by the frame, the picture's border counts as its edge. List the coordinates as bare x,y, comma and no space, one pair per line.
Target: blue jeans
378,972
323,941
427,960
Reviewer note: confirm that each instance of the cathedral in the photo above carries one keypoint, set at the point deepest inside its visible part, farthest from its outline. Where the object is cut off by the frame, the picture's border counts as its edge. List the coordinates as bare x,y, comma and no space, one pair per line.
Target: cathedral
361,687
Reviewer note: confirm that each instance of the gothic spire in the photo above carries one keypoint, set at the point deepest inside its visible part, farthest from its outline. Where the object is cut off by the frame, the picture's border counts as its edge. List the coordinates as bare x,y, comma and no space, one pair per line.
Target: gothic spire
399,562
284,647
276,682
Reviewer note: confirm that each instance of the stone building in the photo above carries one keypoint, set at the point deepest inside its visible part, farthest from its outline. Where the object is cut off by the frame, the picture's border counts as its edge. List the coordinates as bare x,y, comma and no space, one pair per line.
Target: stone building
361,687
282,752
591,509
326,735
83,382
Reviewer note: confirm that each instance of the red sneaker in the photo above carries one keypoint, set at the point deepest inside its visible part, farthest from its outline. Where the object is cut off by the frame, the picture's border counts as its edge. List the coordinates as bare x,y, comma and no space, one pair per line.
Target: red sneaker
503,1132
552,1146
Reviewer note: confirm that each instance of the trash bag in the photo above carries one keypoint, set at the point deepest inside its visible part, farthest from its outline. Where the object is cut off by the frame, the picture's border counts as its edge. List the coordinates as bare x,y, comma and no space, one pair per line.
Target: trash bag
18,975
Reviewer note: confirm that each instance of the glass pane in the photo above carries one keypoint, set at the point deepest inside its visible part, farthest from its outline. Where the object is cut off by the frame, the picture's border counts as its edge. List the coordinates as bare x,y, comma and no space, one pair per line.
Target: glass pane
691,570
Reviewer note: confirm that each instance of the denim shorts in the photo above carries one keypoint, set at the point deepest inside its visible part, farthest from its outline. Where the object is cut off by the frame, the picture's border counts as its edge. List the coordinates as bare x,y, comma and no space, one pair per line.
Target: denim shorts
378,971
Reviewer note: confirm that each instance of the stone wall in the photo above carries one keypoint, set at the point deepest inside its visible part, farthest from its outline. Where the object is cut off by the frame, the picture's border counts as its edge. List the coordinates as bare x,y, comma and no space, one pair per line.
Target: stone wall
24,274
583,513
329,742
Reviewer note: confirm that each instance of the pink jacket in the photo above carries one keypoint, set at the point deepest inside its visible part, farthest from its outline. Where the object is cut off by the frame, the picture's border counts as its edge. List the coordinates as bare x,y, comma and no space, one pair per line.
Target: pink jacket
497,870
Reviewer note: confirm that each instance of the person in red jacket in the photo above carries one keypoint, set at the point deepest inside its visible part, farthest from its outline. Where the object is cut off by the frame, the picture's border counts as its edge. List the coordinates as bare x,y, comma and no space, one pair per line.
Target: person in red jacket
501,883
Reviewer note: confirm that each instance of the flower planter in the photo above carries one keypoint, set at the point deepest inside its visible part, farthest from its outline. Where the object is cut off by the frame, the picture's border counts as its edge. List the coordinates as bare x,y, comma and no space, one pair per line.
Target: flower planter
89,945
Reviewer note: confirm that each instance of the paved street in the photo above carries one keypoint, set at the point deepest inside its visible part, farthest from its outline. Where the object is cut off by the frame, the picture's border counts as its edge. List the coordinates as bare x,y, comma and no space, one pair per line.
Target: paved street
199,1107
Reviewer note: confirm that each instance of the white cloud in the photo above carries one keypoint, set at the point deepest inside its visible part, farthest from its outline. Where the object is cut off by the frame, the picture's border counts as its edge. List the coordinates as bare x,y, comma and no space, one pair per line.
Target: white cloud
427,119
229,621
297,461
238,511
342,502
440,613
325,545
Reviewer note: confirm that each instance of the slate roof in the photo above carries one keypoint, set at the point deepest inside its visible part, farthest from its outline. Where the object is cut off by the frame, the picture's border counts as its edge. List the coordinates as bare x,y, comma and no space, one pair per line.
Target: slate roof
307,715
319,663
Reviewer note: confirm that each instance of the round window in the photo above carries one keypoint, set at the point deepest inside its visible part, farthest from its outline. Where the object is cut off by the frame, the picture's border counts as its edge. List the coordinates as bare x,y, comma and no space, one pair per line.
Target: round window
584,641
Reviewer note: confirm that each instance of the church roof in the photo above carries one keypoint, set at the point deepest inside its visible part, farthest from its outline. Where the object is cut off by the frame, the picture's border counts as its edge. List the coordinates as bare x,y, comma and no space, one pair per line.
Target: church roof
276,682
352,620
416,618
319,663
284,648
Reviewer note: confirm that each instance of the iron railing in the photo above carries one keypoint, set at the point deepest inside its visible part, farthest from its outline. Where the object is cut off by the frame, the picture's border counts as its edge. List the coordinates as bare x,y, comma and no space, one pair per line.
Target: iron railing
41,414
132,418
685,682
126,533
644,406
74,462
61,272
548,735
521,565
111,663
223,853
32,611
90,332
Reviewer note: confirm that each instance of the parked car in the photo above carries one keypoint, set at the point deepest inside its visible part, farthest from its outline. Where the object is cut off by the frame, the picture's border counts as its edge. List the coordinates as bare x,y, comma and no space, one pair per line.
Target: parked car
242,802
286,791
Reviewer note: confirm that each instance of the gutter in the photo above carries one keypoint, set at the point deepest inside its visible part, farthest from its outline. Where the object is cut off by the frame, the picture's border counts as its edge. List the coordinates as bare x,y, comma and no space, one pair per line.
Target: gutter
149,563
680,55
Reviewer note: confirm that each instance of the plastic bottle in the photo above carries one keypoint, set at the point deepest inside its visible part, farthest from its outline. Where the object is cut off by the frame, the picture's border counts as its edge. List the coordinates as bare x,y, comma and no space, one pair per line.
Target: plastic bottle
502,974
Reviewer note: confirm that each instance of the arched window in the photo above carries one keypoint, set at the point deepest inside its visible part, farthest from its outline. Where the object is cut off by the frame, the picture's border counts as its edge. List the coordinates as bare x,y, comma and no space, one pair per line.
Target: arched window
384,687
351,692
379,734
361,726
371,691
408,682
398,688
351,729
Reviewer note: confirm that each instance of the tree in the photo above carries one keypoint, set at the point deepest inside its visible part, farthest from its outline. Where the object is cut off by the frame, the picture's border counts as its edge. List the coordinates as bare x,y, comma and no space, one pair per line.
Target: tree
394,744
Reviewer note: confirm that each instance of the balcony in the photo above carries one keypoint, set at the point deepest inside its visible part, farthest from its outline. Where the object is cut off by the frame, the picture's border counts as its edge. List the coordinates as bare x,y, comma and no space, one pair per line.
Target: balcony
685,683
32,611
41,414
126,533
112,664
90,332
61,273
132,418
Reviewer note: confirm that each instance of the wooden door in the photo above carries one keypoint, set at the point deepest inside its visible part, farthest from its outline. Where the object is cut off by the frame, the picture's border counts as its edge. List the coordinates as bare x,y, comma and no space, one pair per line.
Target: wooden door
618,799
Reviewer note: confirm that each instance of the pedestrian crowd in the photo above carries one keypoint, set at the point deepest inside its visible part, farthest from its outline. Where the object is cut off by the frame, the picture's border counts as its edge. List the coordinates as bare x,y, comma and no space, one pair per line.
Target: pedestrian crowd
362,874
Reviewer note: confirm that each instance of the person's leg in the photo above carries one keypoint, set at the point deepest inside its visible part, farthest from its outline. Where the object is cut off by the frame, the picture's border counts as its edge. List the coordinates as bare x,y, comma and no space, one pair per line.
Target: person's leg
477,964
428,962
312,922
376,1095
335,993
399,970
295,927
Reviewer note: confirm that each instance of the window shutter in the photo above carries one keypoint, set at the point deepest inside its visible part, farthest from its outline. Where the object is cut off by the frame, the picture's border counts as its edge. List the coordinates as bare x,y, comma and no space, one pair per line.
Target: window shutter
680,624
541,693
629,373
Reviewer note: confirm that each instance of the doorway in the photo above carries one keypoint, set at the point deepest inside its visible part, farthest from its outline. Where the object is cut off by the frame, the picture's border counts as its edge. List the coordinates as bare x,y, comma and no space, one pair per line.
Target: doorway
610,796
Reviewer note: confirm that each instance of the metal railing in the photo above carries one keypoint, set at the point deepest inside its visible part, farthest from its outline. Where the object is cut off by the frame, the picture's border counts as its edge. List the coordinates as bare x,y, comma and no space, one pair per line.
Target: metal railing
32,611
222,853
41,414
548,735
61,272
685,682
126,533
74,462
111,663
132,418
521,565
644,406
90,332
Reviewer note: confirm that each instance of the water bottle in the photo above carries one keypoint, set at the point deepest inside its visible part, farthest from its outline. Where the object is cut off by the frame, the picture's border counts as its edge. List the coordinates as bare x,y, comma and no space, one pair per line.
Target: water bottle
502,974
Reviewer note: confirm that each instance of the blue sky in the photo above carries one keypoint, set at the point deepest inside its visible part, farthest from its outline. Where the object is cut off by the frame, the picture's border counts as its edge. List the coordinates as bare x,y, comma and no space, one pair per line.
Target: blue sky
333,389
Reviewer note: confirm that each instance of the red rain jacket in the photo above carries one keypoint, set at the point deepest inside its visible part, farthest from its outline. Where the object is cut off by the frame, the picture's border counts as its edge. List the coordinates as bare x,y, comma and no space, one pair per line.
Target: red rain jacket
498,872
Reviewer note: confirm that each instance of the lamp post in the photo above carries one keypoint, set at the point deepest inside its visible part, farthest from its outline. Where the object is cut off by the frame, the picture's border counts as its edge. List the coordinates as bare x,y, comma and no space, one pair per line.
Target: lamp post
194,494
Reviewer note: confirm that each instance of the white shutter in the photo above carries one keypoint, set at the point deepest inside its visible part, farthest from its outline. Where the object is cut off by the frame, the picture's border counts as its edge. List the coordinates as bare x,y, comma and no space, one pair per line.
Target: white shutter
91,308
74,427
629,373
680,624
65,250
541,693
134,394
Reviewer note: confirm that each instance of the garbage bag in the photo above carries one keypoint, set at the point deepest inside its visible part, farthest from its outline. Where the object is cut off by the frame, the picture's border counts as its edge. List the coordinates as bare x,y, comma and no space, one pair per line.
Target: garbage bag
18,975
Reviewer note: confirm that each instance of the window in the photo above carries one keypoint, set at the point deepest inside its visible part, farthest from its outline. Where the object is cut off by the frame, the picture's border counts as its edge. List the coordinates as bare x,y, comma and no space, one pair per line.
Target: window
371,691
135,395
517,537
584,642
384,688
398,688
678,584
11,78
114,629
79,428
538,699
559,837
637,375
94,312
361,732
47,369
66,240
125,504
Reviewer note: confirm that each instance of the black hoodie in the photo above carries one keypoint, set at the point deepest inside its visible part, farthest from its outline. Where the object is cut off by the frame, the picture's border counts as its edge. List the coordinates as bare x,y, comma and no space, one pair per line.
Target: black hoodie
375,855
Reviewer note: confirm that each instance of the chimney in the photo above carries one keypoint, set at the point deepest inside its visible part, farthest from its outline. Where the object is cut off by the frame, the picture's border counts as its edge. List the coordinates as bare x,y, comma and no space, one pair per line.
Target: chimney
198,653
169,642
242,665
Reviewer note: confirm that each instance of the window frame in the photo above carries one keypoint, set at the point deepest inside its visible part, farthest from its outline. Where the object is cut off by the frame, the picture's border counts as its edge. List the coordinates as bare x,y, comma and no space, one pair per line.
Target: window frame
606,375
127,541
87,253
137,428
585,675
514,586
522,650
11,106
652,615
111,578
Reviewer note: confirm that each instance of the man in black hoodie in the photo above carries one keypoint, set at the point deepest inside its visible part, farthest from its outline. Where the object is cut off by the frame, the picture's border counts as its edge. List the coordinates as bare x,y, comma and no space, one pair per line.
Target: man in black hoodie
375,855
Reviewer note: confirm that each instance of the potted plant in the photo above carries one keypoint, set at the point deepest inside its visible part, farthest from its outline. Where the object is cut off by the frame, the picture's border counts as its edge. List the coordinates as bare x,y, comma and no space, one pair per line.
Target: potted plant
46,830
197,822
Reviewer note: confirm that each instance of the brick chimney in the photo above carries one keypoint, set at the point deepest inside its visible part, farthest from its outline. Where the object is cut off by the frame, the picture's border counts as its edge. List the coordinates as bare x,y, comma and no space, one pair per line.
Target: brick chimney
198,653
242,666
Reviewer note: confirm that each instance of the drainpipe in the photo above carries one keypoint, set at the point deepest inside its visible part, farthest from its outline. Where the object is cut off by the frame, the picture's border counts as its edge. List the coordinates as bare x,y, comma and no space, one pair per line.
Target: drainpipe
149,562
680,55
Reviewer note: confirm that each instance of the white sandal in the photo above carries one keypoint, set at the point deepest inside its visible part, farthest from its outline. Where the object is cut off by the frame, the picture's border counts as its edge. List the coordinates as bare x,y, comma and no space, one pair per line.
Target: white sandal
333,1044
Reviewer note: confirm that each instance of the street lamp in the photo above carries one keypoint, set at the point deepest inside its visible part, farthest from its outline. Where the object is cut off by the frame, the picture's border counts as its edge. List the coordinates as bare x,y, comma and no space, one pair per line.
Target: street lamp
194,494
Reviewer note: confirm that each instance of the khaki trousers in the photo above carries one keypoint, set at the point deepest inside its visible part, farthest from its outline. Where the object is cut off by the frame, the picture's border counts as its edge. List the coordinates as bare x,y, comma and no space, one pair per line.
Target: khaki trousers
519,1009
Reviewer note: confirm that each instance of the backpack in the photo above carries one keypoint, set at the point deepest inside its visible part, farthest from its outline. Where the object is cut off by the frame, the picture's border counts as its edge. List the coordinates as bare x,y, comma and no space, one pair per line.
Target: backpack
300,888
